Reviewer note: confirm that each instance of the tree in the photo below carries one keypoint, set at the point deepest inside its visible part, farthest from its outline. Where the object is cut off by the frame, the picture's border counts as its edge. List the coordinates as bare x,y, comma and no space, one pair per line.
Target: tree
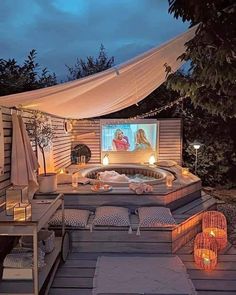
40,130
90,65
210,82
15,78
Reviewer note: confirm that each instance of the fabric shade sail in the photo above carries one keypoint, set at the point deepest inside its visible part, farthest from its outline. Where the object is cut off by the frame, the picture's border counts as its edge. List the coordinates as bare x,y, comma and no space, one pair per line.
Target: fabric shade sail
108,91
23,160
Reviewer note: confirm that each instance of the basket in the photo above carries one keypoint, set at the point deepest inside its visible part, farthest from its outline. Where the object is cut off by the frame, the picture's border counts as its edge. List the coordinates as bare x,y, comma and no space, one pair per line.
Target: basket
46,241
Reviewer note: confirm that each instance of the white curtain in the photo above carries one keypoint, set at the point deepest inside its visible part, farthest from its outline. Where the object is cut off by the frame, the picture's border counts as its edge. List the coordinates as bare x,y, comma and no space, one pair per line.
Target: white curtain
108,91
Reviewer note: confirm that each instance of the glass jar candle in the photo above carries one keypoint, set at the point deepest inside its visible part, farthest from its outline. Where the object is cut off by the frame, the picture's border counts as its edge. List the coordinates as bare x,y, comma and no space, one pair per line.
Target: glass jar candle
75,180
169,181
185,171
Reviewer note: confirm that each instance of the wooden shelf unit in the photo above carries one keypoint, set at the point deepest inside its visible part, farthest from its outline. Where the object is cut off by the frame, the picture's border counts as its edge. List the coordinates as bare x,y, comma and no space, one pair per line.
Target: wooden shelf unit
42,211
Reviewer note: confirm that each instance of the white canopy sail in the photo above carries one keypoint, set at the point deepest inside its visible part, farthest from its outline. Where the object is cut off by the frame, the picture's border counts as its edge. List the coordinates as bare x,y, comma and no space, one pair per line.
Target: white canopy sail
108,91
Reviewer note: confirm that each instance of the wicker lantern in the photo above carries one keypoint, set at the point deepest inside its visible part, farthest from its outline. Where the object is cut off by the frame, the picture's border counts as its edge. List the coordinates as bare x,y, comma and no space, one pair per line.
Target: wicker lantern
215,225
205,251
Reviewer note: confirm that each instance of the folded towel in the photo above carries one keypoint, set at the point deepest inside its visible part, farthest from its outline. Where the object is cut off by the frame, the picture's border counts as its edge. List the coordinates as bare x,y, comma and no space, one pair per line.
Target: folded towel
140,187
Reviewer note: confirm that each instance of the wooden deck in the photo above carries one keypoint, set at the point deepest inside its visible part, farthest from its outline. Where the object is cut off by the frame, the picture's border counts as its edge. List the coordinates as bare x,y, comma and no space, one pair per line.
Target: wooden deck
76,275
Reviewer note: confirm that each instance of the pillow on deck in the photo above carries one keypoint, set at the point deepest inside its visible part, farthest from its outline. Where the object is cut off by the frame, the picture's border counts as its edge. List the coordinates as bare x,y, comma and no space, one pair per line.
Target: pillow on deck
73,217
155,217
111,216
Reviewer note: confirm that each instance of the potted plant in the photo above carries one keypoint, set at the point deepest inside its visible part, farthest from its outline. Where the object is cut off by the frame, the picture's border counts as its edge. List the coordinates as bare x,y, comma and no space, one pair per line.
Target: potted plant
40,130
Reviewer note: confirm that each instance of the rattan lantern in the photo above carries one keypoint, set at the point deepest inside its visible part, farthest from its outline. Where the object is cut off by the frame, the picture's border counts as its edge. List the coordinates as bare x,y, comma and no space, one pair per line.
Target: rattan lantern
215,225
205,251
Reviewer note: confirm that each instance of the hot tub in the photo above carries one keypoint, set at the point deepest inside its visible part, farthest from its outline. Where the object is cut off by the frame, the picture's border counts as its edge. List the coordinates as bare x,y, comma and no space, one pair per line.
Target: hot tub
146,174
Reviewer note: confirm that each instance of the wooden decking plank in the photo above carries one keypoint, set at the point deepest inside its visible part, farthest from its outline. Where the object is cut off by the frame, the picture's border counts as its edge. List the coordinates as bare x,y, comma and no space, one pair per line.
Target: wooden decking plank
228,265
115,247
80,263
184,209
70,291
202,207
221,258
75,272
215,293
223,275
83,283
215,285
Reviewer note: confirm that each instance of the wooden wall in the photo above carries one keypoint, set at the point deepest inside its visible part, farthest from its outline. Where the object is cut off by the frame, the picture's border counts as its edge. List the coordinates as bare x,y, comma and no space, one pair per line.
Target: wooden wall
93,142
170,139
61,147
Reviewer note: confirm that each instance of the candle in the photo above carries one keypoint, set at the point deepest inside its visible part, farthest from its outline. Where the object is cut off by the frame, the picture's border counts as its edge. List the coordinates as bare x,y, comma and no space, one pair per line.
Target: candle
206,256
169,181
185,171
22,212
75,180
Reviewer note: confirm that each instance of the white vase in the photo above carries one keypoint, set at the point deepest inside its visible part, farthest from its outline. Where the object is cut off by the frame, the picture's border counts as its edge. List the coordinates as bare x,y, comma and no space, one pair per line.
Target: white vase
47,183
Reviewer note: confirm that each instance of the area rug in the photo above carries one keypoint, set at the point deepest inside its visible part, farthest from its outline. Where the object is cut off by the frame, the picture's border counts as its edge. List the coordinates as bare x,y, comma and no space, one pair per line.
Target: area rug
141,275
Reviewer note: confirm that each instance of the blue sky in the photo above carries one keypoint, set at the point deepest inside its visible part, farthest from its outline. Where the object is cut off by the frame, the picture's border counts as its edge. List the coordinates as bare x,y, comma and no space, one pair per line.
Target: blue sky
62,30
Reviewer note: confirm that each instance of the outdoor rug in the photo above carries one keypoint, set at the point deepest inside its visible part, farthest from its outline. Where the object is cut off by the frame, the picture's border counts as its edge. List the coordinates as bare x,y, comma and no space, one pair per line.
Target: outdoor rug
141,275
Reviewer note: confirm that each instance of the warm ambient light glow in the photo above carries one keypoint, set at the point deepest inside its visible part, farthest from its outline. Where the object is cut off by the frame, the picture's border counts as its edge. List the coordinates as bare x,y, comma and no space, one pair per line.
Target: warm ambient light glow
185,171
214,224
22,212
62,170
169,181
74,180
152,160
105,160
205,251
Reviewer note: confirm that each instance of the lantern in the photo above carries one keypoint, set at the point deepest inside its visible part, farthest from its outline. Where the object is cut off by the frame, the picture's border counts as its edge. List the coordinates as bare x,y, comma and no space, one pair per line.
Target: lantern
22,212
75,180
152,160
105,160
215,225
205,251
169,181
15,195
185,171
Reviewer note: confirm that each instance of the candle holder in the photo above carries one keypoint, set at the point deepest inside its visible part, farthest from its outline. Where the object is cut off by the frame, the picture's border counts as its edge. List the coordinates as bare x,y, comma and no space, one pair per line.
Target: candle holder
185,171
14,196
214,224
22,212
169,181
74,180
205,251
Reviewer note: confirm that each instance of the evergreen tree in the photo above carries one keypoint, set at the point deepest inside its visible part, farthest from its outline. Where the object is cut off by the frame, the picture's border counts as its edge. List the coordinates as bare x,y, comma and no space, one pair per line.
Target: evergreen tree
16,78
90,65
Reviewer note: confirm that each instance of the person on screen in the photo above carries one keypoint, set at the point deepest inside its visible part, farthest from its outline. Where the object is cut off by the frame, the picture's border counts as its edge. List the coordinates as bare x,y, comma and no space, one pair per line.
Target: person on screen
120,141
141,141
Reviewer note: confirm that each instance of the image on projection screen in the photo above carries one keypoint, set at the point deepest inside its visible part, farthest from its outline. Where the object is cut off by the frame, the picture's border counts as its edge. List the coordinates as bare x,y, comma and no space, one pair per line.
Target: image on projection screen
129,137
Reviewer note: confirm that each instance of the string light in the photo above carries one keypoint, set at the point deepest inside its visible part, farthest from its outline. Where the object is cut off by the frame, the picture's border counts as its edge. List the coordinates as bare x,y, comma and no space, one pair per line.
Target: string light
159,110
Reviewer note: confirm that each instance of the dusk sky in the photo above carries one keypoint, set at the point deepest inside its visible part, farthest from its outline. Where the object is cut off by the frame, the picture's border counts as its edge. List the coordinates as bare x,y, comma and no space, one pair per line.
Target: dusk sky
62,30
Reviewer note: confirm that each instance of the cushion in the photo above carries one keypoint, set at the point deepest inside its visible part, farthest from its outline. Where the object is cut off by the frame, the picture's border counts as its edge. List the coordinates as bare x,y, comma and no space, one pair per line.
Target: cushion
166,163
155,217
73,217
112,216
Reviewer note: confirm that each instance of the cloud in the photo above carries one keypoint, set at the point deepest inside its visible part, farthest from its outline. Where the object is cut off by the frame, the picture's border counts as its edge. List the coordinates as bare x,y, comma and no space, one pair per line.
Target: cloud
61,30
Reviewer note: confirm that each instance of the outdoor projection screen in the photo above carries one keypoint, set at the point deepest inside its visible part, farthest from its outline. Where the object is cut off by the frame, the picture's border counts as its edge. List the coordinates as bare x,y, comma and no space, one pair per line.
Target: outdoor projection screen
129,141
